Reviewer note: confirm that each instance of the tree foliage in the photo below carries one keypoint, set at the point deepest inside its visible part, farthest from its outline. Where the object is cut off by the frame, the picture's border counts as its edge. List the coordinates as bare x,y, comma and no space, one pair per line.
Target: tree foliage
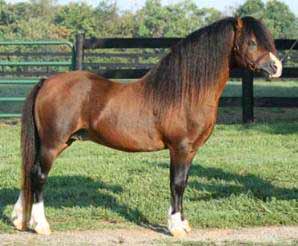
178,19
276,15
46,19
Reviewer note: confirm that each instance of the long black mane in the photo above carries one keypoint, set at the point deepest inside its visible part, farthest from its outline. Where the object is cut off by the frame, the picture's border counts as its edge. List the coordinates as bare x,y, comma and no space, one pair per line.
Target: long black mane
193,66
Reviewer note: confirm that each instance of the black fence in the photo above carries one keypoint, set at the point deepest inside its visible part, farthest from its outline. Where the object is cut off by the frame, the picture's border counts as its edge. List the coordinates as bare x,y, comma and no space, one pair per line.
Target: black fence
136,57
247,101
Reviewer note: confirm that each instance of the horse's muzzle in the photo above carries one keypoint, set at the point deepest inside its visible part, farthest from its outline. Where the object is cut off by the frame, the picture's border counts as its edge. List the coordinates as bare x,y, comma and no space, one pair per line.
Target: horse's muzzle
273,68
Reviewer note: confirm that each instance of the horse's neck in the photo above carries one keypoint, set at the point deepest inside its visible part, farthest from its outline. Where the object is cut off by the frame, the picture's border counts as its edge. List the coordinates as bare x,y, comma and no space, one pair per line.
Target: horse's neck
211,93
223,79
214,92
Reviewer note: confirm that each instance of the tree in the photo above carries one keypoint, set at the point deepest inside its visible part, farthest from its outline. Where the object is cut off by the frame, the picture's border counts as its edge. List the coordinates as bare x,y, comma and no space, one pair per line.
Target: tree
11,18
108,19
45,19
254,8
76,17
152,19
44,8
126,25
155,20
280,20
276,15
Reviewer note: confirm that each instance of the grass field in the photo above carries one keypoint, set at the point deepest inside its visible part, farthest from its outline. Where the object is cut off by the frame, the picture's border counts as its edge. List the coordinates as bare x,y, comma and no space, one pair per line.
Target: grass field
286,88
244,176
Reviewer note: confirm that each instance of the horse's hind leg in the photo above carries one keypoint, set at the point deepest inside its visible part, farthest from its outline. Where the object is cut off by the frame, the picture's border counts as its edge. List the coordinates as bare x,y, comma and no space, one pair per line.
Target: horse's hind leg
39,174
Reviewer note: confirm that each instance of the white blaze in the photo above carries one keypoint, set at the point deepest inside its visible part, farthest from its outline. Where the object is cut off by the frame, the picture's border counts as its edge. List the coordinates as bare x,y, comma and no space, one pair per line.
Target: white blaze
278,65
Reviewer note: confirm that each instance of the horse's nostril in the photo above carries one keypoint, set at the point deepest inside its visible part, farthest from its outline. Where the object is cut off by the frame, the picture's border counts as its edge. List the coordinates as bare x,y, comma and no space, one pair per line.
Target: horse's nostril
273,66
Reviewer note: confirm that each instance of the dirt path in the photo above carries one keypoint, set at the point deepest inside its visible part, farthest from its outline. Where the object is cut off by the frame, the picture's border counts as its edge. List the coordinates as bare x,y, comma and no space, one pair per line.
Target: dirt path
283,235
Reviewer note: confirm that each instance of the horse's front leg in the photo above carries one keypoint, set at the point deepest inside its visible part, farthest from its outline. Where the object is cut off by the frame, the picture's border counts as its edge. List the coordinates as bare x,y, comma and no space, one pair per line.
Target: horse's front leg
181,159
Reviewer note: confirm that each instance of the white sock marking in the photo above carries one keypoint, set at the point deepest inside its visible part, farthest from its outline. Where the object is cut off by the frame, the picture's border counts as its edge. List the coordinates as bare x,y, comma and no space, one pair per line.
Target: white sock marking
174,221
17,212
38,217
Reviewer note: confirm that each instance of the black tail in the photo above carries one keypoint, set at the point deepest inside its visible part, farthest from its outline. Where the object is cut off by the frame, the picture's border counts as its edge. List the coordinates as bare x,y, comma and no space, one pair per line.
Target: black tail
30,149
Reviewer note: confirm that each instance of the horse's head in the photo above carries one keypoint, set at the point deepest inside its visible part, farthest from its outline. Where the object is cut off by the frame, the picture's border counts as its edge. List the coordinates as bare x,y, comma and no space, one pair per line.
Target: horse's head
254,47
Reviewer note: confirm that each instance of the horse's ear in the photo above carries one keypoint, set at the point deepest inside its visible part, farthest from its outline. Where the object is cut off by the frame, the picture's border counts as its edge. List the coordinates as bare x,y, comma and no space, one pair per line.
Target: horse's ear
238,23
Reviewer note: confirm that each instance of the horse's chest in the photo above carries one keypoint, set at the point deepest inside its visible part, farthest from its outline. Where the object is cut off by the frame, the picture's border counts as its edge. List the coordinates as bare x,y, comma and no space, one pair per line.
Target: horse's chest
203,135
200,129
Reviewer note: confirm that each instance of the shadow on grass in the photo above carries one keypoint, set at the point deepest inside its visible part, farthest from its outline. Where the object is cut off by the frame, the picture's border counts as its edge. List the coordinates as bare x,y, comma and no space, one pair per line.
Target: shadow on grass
245,184
269,116
80,191
280,128
70,191
218,186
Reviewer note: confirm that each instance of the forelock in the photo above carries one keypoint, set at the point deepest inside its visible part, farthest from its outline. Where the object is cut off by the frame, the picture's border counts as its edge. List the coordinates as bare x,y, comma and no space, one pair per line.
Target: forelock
259,30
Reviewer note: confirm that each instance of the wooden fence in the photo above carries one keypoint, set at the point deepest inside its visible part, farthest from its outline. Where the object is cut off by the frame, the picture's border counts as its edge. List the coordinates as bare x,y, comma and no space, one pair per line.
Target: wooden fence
248,101
132,67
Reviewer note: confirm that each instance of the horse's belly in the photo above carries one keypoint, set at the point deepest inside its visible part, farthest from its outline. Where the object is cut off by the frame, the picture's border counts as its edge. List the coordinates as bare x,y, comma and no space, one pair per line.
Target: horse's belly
126,124
129,139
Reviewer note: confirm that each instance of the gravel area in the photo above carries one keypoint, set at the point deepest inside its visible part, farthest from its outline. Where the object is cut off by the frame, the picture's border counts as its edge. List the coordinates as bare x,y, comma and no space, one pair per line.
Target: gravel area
284,235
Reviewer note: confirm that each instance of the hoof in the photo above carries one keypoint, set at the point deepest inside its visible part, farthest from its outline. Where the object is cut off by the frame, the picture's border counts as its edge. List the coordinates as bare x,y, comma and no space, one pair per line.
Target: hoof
181,231
43,230
178,232
17,214
177,227
18,223
38,221
186,226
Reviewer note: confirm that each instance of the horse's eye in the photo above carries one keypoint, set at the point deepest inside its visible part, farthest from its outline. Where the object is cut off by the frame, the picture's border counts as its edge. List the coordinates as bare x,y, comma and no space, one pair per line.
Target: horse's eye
252,45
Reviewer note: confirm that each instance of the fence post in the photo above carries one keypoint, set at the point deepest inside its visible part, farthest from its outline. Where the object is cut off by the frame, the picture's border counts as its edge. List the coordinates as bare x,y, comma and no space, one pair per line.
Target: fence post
247,97
79,51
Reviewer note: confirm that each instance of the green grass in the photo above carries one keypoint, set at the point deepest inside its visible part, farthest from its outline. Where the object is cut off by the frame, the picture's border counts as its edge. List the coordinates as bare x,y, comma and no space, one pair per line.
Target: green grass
244,176
286,88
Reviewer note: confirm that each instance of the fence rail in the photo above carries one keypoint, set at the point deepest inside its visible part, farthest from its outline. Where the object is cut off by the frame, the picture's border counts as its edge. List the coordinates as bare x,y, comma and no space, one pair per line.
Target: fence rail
247,100
127,43
8,77
123,69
